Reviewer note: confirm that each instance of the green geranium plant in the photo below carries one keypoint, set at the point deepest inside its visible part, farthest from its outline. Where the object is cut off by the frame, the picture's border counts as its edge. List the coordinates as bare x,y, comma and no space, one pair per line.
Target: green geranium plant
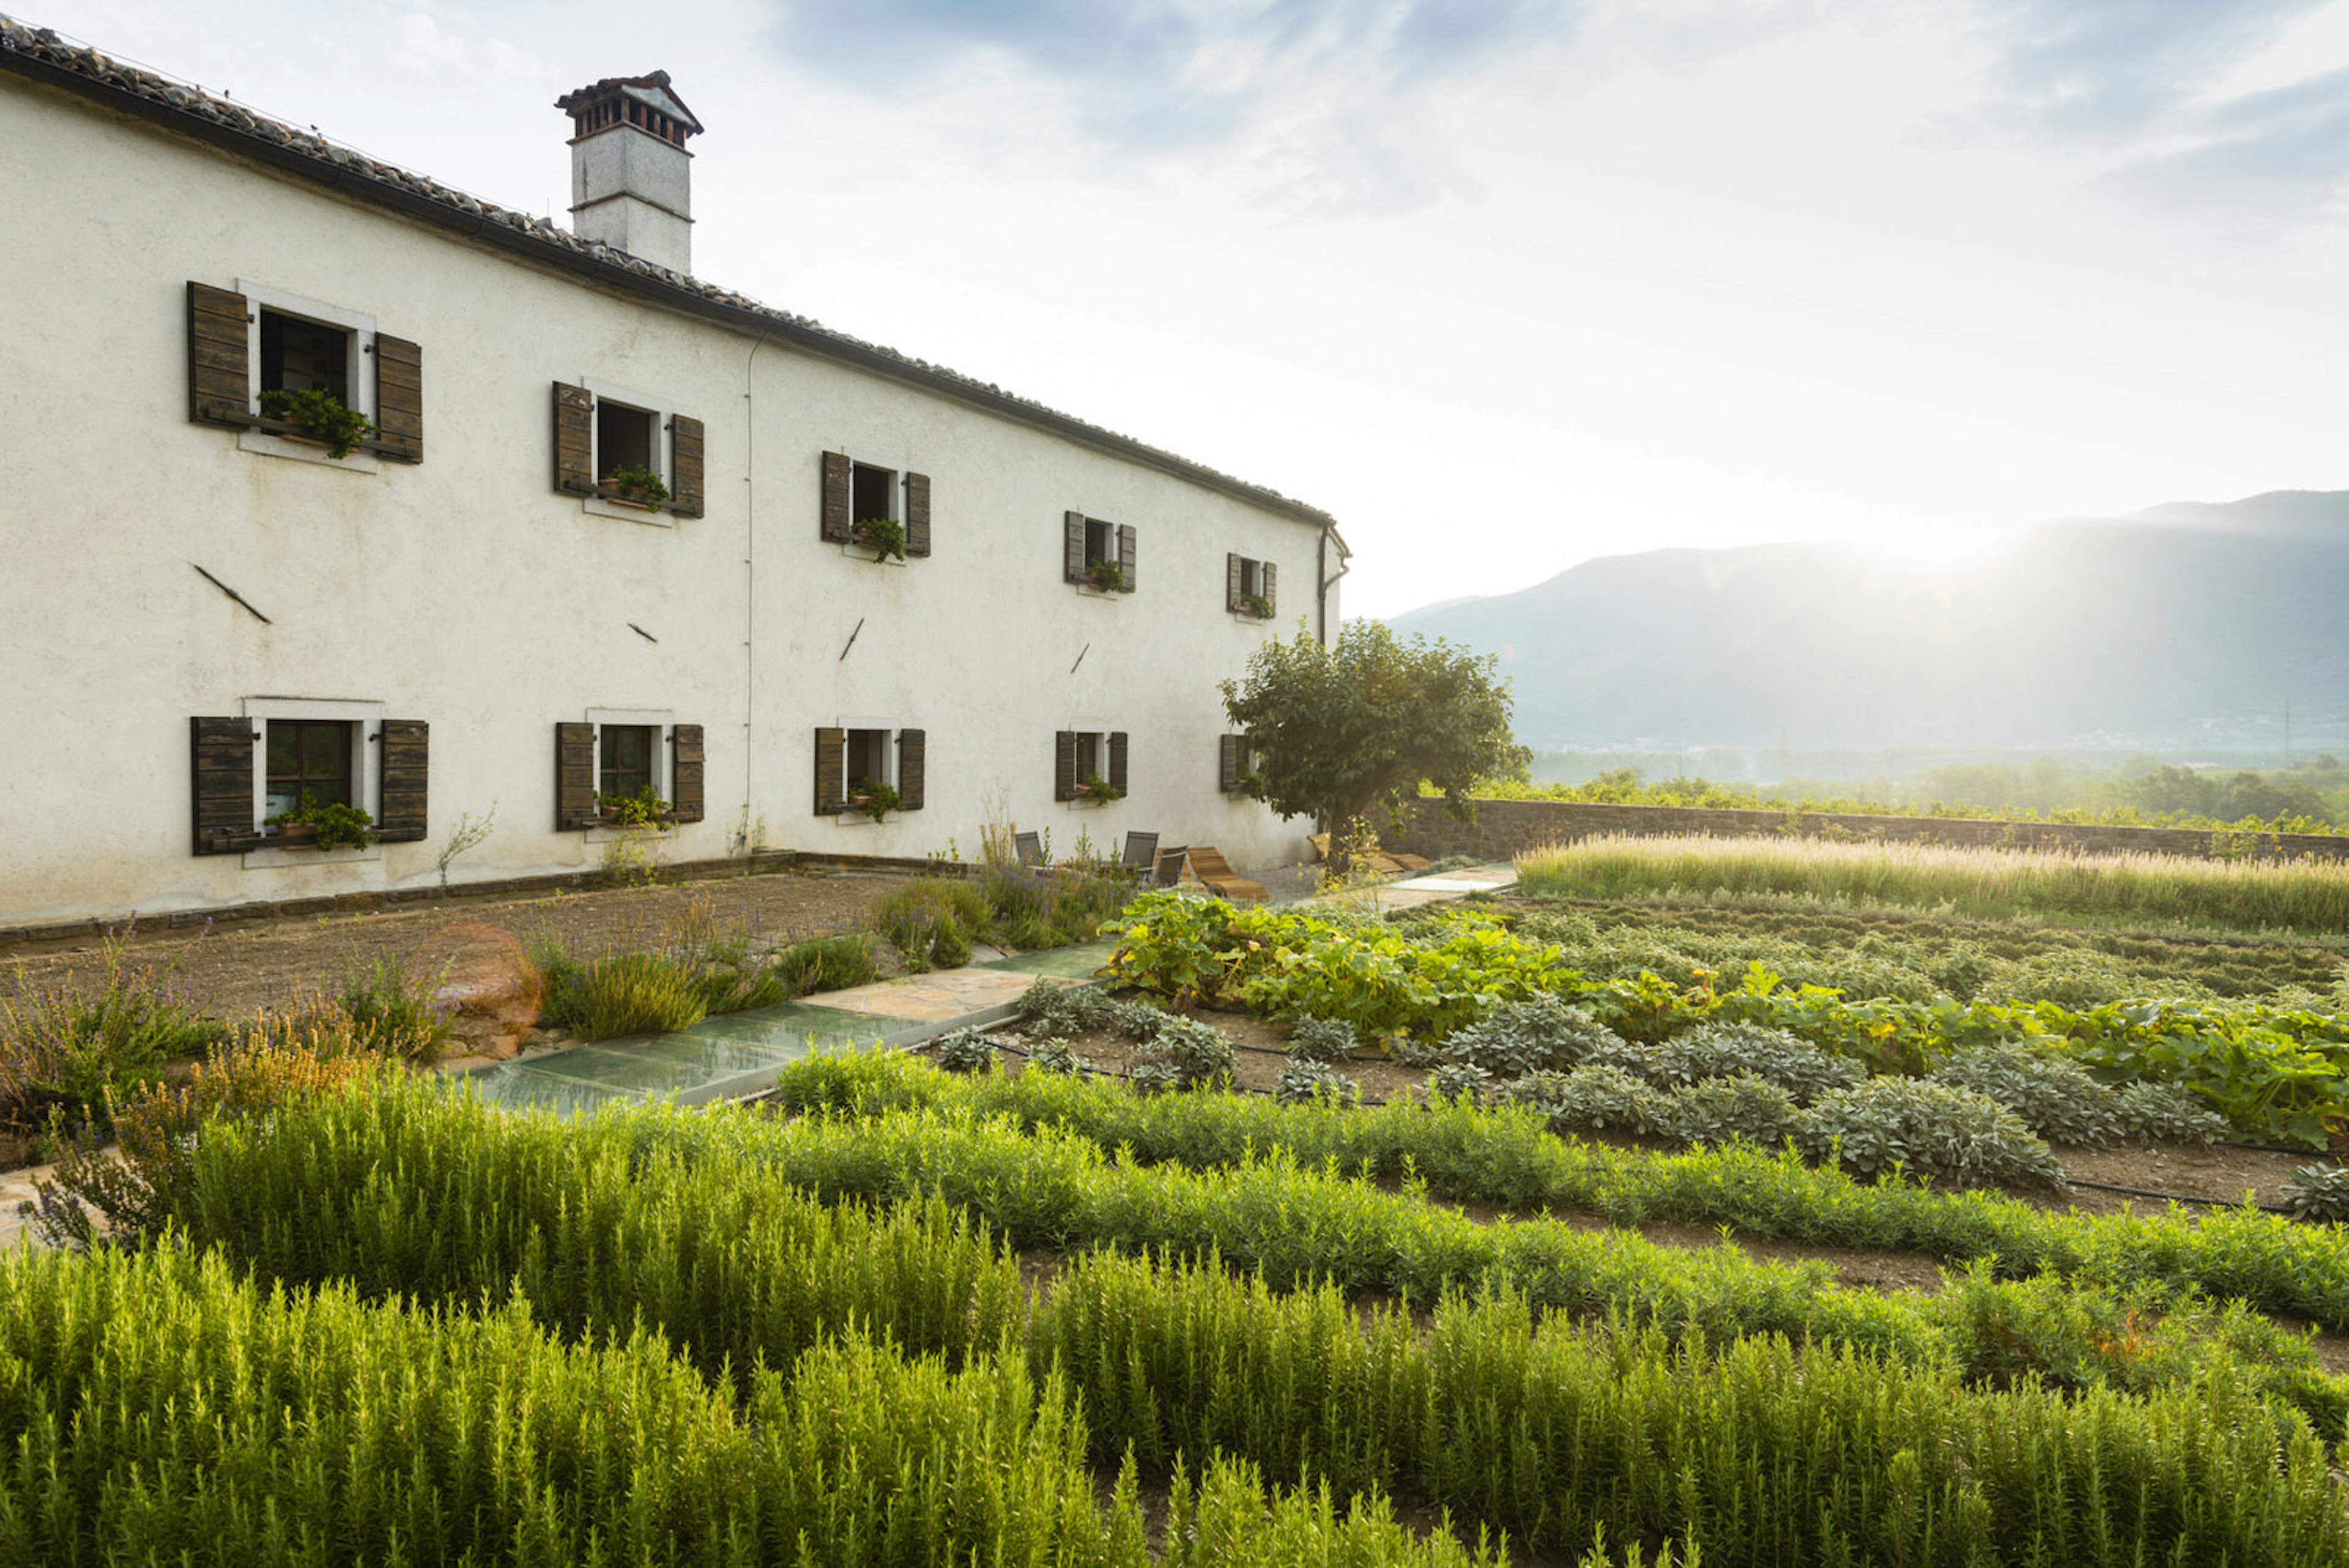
641,485
321,416
337,825
884,536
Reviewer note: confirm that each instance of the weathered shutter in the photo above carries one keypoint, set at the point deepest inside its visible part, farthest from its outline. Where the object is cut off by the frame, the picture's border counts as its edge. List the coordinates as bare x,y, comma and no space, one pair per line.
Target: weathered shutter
1271,587
685,485
575,777
1072,553
1125,555
398,403
1235,579
1117,760
836,527
574,440
831,771
917,516
406,750
912,747
1227,764
220,759
1064,765
685,773
220,375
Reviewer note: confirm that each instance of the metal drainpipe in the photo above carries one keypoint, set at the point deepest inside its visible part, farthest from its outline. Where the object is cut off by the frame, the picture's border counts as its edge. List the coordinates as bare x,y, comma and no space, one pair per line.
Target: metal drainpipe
749,585
1323,583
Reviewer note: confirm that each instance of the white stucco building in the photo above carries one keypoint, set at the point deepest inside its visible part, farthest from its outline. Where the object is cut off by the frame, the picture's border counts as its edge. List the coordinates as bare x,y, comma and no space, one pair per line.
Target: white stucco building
206,615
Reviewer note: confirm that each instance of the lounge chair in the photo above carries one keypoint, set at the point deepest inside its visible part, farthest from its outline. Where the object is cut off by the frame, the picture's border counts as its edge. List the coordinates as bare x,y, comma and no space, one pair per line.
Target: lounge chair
1028,848
1141,854
1208,864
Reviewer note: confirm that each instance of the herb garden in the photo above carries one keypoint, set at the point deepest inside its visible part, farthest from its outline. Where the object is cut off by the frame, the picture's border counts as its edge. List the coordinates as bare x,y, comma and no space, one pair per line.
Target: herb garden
917,1312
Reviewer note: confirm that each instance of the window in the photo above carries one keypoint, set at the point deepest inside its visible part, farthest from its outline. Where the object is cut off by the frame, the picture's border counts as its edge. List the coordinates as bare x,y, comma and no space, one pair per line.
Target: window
302,356
1097,555
603,430
868,752
307,757
257,339
857,491
256,764
625,754
1249,586
1236,759
1088,764
622,752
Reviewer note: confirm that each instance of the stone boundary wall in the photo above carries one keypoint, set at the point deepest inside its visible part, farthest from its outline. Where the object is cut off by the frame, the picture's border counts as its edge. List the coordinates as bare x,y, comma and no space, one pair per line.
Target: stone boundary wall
765,863
1506,829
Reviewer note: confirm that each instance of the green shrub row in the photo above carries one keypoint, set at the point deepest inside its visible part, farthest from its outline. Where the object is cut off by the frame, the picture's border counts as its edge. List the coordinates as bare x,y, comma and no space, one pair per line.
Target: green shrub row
1914,959
703,1228
1505,1158
696,972
159,1410
1755,1452
309,1407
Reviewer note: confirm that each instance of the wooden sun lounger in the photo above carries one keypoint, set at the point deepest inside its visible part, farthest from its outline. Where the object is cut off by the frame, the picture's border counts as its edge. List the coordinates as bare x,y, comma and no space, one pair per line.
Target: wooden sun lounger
1208,864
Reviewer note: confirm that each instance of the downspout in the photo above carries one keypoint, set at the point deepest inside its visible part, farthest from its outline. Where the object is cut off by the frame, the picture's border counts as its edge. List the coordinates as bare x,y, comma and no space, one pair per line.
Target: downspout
750,590
1323,581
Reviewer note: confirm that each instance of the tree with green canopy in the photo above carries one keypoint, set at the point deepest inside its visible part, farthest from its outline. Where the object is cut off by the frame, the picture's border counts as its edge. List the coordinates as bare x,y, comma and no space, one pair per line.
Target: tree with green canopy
1334,731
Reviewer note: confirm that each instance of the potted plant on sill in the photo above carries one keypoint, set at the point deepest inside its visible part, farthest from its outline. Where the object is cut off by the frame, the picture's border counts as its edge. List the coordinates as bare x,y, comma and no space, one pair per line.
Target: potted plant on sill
873,800
1097,789
1258,606
643,809
631,487
321,418
1107,575
884,536
332,825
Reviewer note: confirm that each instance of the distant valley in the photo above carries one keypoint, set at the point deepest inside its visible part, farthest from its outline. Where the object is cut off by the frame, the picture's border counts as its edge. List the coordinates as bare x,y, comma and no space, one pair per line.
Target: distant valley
2181,626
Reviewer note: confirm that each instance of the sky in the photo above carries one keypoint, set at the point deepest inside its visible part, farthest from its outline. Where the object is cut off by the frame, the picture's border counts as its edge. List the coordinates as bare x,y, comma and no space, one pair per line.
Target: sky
1504,286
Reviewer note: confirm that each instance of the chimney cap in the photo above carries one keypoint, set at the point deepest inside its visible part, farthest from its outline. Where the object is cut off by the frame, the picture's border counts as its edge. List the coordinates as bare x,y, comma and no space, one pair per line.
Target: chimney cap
600,103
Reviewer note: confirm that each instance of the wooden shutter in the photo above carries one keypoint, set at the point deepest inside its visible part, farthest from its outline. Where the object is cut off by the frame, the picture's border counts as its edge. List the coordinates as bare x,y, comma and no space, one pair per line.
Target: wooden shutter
399,405
220,759
685,466
406,750
220,374
913,748
1117,760
1072,553
1064,764
1271,587
575,777
831,771
1235,579
685,772
1125,555
834,525
917,516
574,442
1227,765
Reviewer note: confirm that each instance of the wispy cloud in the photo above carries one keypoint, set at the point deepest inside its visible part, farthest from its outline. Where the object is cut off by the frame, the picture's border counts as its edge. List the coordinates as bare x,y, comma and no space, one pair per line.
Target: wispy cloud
2139,91
1333,92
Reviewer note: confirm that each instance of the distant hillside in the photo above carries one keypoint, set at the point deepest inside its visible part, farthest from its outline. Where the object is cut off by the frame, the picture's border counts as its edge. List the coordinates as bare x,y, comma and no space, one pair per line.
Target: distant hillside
2182,625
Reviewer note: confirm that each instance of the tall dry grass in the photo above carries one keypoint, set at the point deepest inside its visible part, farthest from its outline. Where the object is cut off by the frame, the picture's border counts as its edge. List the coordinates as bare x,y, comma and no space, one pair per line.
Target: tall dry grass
2307,896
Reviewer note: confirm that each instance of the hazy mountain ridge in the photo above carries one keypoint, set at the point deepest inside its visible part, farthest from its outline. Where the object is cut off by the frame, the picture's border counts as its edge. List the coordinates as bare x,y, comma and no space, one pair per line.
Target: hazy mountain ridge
2184,624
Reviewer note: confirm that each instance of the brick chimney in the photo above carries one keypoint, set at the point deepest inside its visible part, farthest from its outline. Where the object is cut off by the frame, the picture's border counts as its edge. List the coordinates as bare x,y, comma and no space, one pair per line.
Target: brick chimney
631,177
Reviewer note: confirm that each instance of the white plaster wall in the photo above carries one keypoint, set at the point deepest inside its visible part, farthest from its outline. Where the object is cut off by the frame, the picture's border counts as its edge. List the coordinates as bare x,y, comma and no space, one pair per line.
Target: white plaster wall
467,593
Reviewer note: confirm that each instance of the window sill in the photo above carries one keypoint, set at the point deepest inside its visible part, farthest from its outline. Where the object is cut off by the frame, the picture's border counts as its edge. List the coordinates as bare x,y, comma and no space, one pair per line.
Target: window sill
1090,592
1086,803
628,511
271,859
263,442
862,553
1249,617
607,833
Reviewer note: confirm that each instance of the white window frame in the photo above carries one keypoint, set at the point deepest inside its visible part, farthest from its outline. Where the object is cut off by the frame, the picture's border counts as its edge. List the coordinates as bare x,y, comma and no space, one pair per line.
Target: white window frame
893,754
662,721
1251,582
664,451
365,720
1100,730
896,489
1116,554
358,376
